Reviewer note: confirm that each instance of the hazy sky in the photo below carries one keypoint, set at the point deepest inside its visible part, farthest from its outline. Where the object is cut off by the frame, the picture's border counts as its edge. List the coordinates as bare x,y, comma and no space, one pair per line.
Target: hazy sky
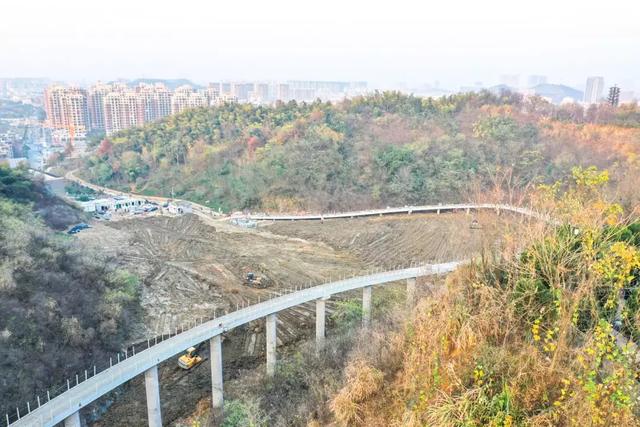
454,42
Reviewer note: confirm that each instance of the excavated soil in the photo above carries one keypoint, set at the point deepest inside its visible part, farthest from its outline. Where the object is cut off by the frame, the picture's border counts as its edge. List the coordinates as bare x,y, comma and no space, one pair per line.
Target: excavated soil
193,267
389,241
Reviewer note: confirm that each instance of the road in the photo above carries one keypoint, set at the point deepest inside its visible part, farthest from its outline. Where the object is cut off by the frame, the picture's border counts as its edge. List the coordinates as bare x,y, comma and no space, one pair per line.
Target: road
198,209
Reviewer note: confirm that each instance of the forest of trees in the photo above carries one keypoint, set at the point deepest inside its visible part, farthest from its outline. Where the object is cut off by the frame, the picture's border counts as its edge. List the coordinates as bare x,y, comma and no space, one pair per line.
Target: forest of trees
64,308
378,150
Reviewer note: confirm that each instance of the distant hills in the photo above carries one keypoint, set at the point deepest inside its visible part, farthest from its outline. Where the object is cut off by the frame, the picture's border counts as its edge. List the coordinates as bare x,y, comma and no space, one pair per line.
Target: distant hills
557,92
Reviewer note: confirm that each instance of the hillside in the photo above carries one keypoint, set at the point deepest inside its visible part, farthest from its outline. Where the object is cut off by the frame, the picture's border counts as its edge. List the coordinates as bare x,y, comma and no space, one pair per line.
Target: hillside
379,150
17,110
539,332
63,307
536,337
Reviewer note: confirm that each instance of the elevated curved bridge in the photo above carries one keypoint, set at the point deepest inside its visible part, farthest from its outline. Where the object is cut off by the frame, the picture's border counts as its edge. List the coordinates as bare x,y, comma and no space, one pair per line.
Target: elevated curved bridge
404,210
66,407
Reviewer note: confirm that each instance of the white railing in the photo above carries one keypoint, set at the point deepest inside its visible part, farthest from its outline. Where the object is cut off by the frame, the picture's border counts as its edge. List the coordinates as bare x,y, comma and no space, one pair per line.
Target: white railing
84,389
404,210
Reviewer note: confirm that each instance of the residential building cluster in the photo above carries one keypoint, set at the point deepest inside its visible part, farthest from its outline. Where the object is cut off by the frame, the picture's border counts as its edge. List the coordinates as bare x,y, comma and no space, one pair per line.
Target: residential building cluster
116,106
104,107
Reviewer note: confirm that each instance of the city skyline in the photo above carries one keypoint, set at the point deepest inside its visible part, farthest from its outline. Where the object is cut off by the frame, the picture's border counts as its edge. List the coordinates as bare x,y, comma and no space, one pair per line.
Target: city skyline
455,44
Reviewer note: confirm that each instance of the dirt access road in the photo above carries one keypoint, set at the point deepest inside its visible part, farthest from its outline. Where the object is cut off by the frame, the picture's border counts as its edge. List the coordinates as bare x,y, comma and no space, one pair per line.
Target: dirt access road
191,266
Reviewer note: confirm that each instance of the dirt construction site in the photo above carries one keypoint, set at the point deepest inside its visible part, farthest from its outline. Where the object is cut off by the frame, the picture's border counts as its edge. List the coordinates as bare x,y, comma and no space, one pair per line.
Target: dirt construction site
193,267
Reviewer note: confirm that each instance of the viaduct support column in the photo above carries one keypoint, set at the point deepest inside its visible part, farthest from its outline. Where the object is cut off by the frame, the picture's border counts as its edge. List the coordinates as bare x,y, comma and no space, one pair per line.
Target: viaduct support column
411,291
215,344
271,344
152,386
366,306
73,420
320,322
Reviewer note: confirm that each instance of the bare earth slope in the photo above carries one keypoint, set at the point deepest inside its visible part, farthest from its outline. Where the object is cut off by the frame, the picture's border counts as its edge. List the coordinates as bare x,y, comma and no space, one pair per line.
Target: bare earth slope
191,266
390,241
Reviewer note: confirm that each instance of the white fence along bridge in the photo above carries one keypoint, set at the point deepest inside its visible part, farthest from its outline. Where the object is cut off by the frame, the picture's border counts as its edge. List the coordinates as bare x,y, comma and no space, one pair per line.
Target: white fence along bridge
66,407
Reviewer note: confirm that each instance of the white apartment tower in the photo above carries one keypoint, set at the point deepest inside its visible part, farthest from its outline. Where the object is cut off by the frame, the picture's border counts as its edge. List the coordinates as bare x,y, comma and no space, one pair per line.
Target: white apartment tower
594,90
67,108
212,93
96,105
185,98
156,101
122,110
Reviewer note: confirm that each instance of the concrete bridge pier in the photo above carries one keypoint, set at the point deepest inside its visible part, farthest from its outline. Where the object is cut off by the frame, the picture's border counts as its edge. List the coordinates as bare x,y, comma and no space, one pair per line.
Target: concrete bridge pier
215,345
320,322
271,344
366,306
73,420
152,387
411,291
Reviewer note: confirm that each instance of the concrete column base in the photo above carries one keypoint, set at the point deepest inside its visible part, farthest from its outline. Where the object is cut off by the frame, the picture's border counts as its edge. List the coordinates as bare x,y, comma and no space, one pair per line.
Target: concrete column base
152,387
217,396
366,306
411,291
271,344
320,323
73,420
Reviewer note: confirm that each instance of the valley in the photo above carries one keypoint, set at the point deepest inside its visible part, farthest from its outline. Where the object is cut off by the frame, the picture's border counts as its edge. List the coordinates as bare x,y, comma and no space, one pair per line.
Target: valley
194,266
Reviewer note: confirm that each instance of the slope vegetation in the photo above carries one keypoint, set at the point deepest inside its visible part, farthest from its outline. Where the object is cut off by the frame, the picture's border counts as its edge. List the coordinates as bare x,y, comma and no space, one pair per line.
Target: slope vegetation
536,337
57,300
379,150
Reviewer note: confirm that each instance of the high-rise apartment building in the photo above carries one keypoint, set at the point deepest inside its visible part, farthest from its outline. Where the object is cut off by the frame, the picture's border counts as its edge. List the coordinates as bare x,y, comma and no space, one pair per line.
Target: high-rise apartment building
225,88
212,93
283,92
96,104
155,101
67,108
122,110
185,97
241,90
119,107
260,93
594,89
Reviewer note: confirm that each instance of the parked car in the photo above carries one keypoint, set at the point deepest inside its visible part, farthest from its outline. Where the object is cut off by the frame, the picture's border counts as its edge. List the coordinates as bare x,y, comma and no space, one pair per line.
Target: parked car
78,228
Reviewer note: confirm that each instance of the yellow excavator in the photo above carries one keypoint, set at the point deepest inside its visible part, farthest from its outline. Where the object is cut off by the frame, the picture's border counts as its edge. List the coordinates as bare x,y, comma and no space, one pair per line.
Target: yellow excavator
190,359
254,280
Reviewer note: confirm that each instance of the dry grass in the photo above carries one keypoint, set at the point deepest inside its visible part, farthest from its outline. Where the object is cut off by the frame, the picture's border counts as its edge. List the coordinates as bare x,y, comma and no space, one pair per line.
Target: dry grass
522,339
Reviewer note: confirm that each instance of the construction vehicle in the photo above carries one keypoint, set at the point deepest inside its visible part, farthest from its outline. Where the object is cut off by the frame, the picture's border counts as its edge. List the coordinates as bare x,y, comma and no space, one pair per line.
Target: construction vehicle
253,280
190,359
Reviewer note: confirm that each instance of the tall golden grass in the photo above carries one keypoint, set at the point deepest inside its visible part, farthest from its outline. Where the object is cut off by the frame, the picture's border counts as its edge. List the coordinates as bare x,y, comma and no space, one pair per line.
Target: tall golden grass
524,336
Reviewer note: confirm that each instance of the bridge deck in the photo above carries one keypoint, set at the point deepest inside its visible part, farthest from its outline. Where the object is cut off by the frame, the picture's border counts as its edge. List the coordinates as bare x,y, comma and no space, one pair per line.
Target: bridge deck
77,397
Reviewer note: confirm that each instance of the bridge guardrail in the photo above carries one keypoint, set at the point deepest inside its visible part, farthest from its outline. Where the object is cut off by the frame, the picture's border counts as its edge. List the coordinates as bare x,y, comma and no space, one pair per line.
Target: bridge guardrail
94,386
